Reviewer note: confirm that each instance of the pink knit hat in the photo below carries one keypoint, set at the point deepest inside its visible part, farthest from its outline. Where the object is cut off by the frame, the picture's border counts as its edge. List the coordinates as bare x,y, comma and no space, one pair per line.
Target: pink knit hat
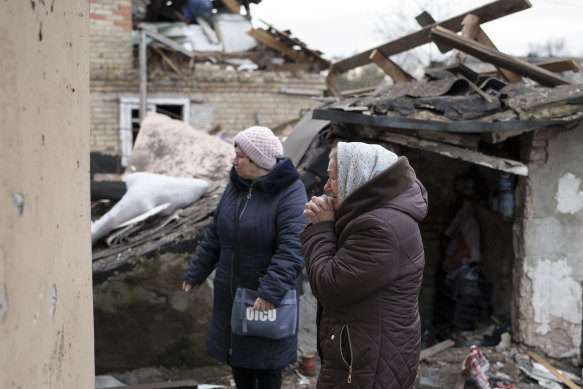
260,145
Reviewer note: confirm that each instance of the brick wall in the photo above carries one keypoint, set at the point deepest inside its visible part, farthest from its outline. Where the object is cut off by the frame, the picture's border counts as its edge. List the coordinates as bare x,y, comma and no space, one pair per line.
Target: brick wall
110,34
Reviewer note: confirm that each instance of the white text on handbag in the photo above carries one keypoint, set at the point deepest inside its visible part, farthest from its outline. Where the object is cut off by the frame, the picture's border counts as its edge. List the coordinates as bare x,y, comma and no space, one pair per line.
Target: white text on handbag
254,315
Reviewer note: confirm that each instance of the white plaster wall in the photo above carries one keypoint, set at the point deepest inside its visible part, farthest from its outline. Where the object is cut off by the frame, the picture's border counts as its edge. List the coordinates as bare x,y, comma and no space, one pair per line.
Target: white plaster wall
46,315
550,269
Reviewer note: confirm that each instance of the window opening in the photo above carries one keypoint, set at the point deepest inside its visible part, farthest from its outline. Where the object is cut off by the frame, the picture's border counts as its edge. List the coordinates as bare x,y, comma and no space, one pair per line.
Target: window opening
129,122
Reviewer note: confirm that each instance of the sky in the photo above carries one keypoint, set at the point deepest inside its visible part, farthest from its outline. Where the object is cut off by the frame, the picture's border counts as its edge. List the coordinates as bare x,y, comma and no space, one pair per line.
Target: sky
341,28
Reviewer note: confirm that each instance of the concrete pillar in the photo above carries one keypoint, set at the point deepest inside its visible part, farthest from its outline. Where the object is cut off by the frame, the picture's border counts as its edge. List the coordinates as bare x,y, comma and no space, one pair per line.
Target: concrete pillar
46,310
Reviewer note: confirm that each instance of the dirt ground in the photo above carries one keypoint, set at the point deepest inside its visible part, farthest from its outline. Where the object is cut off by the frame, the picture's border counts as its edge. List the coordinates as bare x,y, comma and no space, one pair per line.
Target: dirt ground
442,370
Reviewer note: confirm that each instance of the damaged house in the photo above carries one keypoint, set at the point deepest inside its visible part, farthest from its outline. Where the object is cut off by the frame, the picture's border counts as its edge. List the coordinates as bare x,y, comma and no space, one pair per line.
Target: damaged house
496,145
214,71
499,152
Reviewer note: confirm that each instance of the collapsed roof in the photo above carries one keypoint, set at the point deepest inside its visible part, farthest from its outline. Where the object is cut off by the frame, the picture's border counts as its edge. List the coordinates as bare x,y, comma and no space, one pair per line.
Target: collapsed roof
221,34
457,108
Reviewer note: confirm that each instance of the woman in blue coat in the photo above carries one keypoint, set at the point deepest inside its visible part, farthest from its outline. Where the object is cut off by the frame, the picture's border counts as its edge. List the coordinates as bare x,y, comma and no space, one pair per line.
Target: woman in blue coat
270,198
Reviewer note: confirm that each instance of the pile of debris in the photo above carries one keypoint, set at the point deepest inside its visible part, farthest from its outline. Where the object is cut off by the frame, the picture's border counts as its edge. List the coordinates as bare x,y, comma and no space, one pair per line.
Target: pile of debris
181,33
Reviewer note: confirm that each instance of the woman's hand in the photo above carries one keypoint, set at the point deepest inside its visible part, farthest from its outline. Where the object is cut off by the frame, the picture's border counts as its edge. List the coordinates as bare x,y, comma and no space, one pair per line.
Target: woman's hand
188,287
262,305
321,208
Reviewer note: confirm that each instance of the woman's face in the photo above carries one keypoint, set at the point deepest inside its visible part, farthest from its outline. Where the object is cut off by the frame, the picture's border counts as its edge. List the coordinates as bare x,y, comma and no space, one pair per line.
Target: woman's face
332,183
246,168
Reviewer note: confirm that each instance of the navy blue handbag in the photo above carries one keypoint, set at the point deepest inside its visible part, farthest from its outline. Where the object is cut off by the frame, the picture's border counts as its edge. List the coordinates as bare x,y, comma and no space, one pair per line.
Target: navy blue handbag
276,323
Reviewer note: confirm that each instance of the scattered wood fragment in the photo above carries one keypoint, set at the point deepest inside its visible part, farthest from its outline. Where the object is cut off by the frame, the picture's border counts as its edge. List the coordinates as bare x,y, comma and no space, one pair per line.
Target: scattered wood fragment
550,368
435,349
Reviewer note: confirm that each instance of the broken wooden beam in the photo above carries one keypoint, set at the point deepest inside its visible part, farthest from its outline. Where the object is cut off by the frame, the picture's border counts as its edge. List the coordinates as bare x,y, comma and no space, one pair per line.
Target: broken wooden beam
486,13
475,157
481,37
390,68
268,40
550,368
488,54
286,35
436,348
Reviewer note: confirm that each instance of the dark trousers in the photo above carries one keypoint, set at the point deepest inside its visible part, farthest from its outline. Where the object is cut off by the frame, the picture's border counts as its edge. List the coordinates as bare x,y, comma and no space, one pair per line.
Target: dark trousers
257,378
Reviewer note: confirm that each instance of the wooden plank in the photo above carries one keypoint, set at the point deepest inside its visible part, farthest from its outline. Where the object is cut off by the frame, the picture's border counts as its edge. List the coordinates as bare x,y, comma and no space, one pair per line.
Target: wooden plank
486,13
232,5
298,42
470,28
481,37
436,348
550,368
475,157
265,38
167,41
560,65
389,67
488,54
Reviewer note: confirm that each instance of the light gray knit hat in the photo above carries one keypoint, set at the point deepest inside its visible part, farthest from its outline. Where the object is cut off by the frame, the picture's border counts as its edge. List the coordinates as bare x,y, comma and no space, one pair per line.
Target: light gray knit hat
260,145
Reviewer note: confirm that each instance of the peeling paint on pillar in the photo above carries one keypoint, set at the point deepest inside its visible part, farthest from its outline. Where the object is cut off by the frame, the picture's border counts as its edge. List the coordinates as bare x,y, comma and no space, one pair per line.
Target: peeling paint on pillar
3,303
19,201
569,197
53,300
555,294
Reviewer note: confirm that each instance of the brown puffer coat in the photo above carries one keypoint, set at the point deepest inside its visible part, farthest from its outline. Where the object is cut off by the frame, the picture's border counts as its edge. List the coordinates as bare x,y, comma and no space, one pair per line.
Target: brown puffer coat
365,269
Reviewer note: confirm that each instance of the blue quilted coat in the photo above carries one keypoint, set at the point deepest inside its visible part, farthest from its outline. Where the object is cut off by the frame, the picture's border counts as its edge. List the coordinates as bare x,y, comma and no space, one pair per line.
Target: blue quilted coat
270,260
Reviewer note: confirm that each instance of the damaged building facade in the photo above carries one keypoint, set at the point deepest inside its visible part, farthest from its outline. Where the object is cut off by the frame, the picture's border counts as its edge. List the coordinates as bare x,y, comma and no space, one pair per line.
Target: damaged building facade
208,87
497,149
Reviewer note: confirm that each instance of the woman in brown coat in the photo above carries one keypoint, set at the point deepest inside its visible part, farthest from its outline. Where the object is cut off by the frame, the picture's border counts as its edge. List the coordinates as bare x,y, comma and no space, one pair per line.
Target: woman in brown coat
364,259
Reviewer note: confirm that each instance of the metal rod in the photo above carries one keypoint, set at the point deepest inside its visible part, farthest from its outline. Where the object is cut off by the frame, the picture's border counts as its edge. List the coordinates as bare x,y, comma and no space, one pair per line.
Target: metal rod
143,76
